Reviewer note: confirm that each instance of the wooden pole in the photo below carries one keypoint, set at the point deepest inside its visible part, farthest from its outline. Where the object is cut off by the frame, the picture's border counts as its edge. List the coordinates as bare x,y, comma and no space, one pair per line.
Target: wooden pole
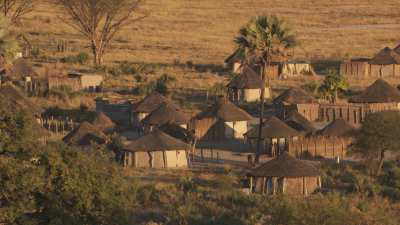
251,185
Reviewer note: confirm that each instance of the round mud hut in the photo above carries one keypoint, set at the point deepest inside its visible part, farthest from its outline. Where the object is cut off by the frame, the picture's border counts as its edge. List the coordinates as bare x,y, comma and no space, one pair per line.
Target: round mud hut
84,135
166,113
156,150
221,121
285,174
296,99
275,134
104,123
246,87
150,103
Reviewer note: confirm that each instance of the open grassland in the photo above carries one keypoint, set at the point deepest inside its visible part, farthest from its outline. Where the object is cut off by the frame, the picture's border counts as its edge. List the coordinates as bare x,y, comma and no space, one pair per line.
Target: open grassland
202,30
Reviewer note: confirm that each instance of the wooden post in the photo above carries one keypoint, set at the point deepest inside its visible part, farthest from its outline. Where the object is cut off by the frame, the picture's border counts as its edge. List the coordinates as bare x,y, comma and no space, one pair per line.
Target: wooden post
202,154
212,154
263,185
217,156
251,185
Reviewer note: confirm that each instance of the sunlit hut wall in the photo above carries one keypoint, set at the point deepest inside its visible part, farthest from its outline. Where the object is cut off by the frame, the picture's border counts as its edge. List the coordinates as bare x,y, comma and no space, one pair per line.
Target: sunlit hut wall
285,175
296,99
357,68
275,134
167,113
296,68
246,86
385,64
221,121
147,105
330,142
155,150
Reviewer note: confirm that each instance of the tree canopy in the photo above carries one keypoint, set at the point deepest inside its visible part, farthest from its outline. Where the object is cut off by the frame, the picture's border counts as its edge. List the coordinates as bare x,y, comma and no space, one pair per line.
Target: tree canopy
379,133
332,84
100,20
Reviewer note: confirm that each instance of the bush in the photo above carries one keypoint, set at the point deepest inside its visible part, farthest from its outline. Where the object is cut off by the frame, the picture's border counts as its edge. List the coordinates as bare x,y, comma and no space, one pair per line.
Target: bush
80,58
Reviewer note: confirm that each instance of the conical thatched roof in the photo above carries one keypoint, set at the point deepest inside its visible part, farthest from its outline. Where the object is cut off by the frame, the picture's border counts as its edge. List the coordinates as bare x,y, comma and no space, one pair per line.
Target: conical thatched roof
167,113
84,134
286,166
295,96
150,103
104,123
386,56
224,110
397,49
177,131
156,141
20,68
236,56
273,128
337,128
379,92
248,78
298,122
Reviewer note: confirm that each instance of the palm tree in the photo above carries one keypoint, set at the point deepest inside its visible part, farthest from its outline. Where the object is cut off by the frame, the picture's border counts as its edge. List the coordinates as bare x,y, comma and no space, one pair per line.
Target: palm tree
8,45
261,39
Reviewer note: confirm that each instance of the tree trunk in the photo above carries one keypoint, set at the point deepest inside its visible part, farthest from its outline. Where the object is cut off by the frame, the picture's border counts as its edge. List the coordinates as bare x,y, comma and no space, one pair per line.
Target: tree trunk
262,100
97,53
380,165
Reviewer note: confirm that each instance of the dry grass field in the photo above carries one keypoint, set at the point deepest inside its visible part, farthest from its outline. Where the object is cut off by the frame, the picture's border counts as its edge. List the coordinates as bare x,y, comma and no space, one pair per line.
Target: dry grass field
202,30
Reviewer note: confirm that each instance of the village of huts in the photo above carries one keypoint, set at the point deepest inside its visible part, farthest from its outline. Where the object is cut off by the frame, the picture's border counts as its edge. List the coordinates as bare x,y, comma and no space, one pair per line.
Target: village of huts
267,126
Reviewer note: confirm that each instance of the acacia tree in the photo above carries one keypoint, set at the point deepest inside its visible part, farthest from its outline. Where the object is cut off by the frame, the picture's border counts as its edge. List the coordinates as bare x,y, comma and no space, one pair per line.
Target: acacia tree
379,133
332,84
100,20
15,9
261,39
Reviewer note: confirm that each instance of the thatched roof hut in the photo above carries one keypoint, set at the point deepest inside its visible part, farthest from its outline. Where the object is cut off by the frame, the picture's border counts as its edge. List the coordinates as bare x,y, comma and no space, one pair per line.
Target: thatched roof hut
379,92
104,123
224,110
178,132
156,141
247,79
386,56
156,150
236,56
150,103
84,135
166,113
273,128
295,96
337,128
285,174
285,166
298,122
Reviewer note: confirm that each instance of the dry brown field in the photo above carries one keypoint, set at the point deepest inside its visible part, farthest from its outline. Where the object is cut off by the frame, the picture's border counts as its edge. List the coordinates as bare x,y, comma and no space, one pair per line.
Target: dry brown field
202,32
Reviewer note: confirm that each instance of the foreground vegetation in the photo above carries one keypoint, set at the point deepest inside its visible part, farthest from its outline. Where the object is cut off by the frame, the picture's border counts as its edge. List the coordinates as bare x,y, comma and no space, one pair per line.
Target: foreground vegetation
58,184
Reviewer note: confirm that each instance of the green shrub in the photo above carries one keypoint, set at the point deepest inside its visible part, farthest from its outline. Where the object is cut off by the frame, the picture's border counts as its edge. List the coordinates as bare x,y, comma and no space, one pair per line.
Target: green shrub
80,58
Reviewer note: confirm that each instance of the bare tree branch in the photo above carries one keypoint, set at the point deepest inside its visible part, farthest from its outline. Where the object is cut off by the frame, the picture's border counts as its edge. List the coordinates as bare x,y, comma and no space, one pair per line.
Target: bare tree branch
100,20
15,9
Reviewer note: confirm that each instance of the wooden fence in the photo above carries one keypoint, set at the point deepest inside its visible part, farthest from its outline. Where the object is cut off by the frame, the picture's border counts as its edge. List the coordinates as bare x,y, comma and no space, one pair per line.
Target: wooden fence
331,147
